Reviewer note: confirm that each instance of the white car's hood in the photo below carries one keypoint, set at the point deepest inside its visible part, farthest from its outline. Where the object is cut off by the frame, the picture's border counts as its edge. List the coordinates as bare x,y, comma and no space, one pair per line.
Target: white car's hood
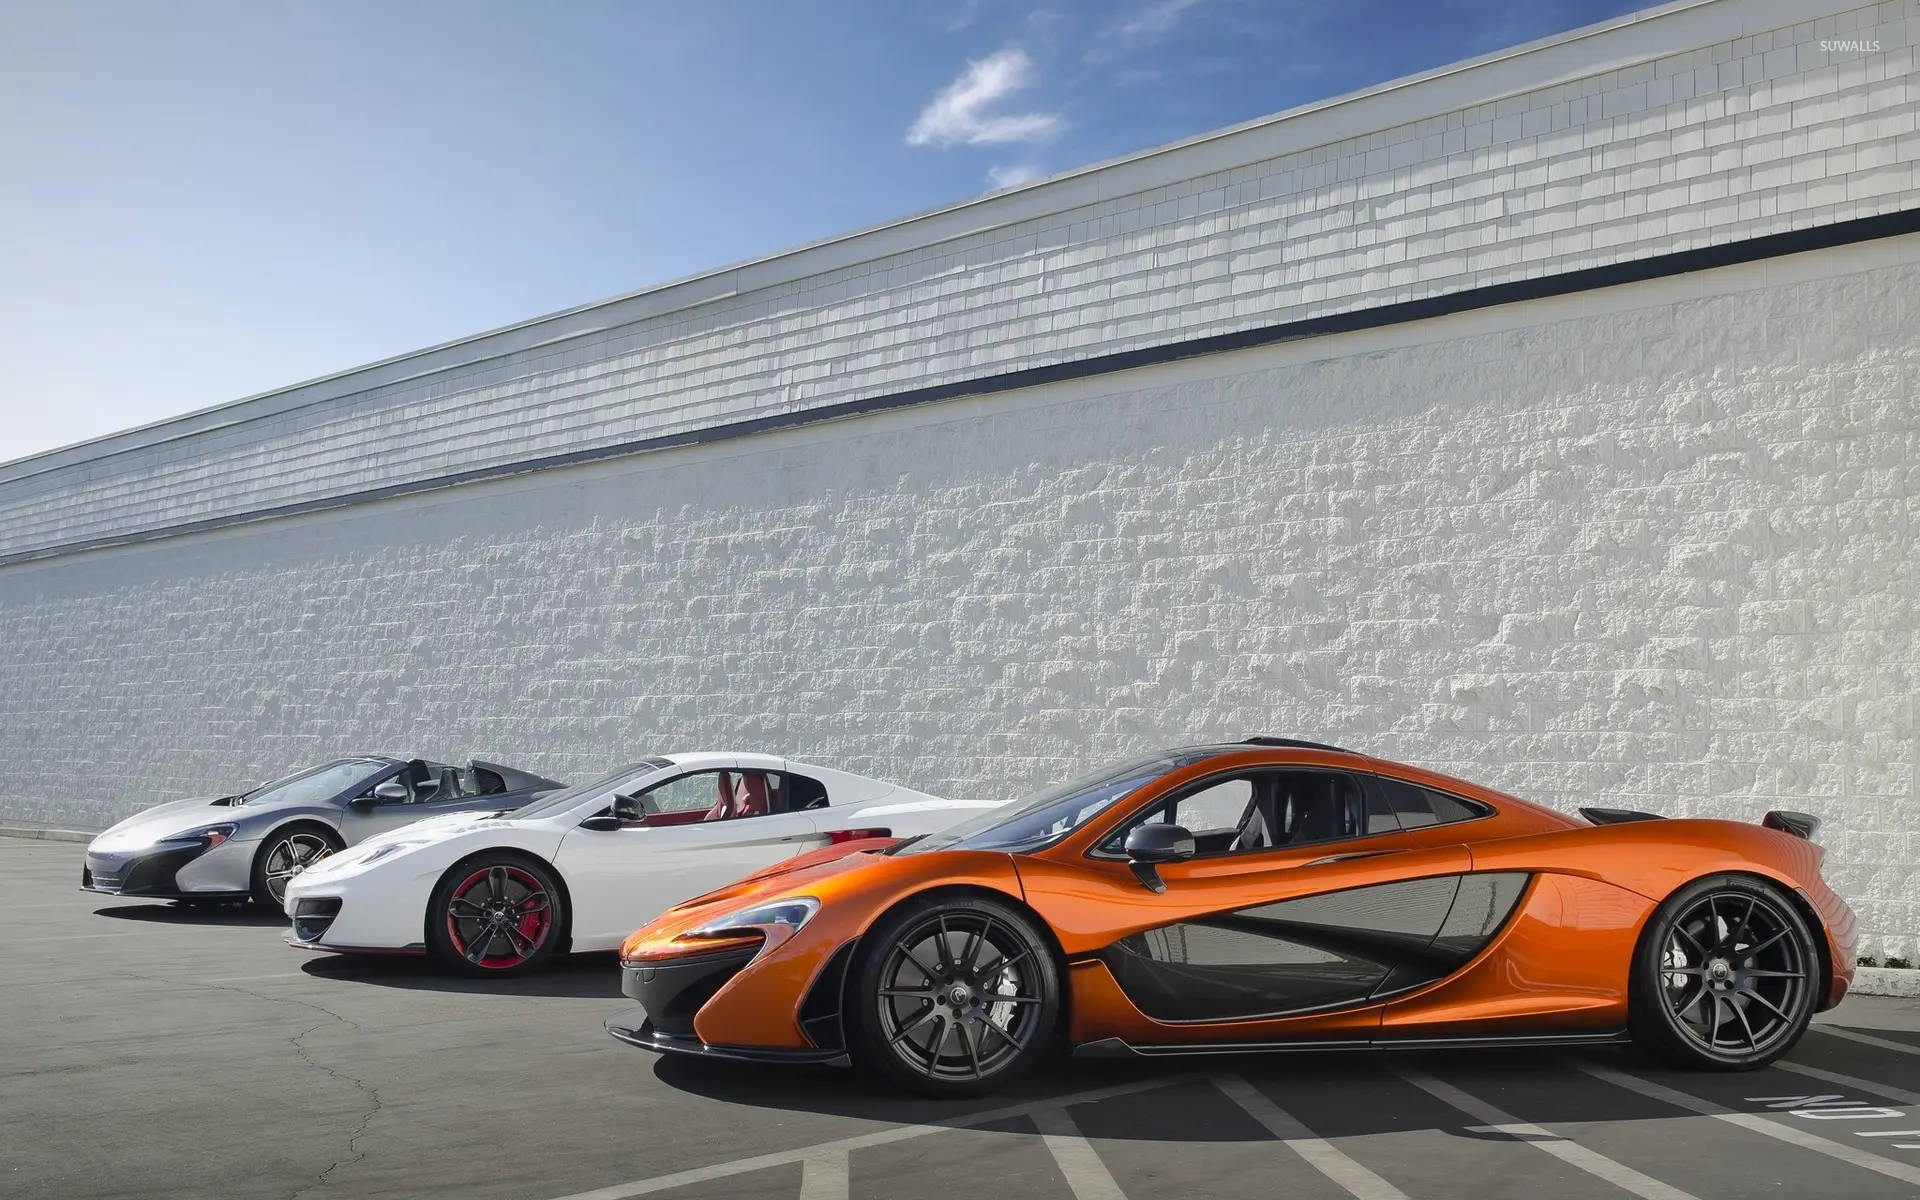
427,832
151,825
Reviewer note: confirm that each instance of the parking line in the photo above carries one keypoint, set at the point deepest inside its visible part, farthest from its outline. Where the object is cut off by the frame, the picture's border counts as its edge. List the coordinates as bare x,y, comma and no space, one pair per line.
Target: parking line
1572,1153
1320,1154
1865,1039
881,1137
1756,1123
1900,1095
824,1176
1087,1177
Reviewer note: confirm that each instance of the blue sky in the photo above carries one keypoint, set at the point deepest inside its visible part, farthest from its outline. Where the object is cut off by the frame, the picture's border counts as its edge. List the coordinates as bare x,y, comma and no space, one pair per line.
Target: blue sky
201,200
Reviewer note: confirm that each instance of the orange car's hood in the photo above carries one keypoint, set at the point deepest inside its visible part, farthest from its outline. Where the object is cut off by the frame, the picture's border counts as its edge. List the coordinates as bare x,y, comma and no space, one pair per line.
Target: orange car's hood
853,883
782,879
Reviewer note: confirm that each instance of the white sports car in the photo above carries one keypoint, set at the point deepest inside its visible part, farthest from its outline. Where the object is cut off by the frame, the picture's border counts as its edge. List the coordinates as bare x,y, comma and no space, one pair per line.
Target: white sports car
580,869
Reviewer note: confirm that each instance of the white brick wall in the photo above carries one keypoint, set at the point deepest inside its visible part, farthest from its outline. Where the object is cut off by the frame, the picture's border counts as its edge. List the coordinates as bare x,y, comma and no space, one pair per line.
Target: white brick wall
1650,547
1701,123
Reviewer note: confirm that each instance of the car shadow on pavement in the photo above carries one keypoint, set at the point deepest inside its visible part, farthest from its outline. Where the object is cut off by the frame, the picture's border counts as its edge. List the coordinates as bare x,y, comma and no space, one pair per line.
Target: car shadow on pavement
1342,1093
577,976
192,914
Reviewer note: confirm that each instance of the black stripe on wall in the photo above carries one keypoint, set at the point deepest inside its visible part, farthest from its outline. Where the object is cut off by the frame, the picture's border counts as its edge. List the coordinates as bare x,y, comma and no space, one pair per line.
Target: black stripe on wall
1774,245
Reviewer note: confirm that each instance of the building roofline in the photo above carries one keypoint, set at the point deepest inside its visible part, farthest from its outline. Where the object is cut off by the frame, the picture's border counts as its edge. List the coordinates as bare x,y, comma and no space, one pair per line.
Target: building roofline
1423,95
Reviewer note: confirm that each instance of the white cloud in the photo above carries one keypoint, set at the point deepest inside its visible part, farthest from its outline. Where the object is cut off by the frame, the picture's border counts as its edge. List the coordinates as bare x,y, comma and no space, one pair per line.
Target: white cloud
1013,175
1155,20
959,116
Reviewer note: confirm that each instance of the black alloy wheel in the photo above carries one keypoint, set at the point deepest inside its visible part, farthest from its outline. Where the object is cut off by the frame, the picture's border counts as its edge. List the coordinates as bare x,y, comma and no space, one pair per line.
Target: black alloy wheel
1727,976
495,914
957,996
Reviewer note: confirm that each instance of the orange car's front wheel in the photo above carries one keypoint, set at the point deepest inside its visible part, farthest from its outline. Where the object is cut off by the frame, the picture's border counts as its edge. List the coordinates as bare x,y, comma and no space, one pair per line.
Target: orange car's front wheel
957,995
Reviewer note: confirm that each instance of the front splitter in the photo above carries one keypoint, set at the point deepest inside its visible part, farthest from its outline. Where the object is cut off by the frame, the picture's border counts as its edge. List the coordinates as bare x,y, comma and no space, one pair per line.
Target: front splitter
632,1027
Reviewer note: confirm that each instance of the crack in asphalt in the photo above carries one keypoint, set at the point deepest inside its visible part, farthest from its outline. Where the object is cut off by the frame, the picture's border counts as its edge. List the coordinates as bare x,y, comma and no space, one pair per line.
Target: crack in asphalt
374,1104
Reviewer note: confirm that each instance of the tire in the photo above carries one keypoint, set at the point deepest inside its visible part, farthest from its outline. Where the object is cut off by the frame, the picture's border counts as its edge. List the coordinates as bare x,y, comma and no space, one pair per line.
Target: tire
496,914
975,974
1726,976
284,853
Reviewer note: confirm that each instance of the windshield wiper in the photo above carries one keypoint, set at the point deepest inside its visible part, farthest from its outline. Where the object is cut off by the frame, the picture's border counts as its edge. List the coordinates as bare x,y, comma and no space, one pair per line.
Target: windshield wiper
902,845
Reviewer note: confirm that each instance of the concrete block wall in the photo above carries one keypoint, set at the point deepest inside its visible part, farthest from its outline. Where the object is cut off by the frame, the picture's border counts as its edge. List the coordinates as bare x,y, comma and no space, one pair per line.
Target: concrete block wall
1649,546
1703,122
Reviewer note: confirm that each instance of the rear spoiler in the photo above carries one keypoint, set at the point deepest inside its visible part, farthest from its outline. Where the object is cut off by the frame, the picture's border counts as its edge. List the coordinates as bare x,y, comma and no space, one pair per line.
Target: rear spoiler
1799,824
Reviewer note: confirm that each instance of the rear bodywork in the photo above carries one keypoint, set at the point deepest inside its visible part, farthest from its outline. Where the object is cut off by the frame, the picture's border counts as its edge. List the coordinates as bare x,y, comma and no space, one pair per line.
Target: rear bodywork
1519,926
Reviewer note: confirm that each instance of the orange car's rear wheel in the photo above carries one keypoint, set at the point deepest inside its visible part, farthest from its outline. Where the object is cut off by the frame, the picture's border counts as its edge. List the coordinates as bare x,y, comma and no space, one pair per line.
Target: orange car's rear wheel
1727,976
956,995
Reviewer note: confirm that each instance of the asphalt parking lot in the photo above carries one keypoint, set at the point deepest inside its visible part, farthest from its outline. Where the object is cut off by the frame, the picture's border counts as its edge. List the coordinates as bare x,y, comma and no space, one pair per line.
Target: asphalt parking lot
148,1051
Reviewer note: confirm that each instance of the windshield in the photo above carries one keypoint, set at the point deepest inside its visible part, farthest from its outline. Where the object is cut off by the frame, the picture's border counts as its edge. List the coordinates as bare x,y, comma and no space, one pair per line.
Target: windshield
1045,818
320,783
565,798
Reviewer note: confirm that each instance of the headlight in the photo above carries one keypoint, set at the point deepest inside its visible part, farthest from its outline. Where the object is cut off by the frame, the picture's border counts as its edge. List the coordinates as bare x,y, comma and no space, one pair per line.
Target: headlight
213,835
779,919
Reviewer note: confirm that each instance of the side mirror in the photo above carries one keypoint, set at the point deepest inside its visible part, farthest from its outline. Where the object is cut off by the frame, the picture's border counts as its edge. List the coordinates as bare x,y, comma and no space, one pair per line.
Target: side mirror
1152,844
624,811
391,792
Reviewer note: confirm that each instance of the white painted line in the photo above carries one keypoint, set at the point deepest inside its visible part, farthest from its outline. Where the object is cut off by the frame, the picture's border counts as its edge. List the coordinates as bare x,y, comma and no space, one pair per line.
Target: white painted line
1752,1121
1573,1154
74,937
1852,1081
882,1137
823,1176
1087,1177
1320,1154
1864,1039
257,978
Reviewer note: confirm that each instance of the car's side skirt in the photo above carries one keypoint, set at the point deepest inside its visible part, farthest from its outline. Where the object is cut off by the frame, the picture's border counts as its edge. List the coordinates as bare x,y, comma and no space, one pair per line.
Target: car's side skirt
1119,1048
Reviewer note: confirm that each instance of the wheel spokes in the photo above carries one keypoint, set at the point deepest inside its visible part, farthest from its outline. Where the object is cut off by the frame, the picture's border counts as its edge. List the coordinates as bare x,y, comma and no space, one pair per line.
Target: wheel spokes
967,1046
477,948
1770,1006
1753,1043
1732,944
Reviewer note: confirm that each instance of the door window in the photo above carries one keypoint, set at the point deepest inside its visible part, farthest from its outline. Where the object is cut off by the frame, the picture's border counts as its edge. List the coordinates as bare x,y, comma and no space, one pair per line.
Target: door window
1263,810
715,796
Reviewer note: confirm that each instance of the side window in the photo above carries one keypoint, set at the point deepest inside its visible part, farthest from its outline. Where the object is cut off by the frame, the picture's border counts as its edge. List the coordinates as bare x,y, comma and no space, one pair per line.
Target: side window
1215,810
716,796
1264,810
804,793
1417,807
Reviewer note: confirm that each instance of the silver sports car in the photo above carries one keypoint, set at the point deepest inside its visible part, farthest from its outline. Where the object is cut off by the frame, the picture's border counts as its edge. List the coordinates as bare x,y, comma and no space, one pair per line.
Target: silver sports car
223,848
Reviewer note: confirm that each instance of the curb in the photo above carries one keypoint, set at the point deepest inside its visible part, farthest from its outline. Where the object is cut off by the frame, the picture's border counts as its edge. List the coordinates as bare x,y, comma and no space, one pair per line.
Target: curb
46,835
1885,981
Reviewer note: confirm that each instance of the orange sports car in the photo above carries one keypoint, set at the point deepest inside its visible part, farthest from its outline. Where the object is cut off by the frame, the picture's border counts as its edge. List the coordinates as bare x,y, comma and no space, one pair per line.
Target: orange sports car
1264,895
